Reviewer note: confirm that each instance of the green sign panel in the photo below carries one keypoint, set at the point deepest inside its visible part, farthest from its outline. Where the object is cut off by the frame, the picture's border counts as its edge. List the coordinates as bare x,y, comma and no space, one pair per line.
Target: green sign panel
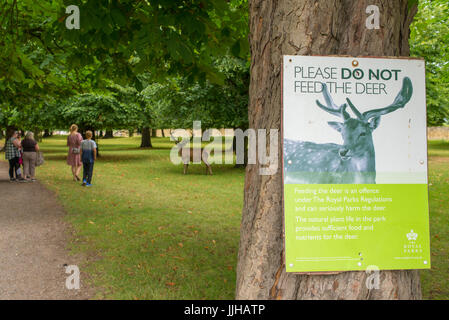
355,164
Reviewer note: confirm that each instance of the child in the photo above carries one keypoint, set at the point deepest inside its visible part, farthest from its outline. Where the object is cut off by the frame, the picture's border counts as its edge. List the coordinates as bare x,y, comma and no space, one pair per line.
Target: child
88,155
19,170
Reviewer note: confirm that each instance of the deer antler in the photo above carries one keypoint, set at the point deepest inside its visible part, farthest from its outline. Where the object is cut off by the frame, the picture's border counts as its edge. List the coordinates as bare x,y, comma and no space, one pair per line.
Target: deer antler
173,138
401,100
355,110
178,144
332,108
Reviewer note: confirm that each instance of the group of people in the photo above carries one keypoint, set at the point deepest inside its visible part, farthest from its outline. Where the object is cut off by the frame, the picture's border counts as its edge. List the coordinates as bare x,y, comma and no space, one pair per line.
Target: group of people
21,154
82,153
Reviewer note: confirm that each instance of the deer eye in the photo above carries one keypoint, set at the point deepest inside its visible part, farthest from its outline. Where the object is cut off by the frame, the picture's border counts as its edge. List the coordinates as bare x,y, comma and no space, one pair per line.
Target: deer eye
363,134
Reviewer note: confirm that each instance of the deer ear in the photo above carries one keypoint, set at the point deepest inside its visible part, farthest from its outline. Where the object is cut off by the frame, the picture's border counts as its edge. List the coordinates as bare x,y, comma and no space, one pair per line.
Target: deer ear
336,125
374,123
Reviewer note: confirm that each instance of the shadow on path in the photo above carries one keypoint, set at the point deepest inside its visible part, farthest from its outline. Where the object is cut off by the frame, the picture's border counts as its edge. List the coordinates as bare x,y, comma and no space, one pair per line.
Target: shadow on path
33,238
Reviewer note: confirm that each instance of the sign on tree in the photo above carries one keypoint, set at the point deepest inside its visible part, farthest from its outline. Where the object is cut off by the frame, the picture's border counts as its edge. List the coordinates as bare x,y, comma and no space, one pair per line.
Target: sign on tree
355,164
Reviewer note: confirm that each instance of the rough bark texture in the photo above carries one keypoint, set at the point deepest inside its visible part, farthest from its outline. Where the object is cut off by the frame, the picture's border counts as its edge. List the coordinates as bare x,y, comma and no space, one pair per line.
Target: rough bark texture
146,138
306,27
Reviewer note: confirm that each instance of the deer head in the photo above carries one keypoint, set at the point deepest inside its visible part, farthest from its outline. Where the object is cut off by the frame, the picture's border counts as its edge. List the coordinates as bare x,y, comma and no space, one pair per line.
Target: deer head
179,144
357,132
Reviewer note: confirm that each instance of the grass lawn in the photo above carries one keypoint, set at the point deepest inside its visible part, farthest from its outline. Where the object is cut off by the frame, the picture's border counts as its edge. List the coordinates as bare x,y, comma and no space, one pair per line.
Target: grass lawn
157,234
435,283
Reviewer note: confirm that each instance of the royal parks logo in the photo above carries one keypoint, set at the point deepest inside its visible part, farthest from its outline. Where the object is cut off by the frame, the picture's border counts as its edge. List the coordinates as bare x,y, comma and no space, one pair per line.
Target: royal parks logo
412,247
412,236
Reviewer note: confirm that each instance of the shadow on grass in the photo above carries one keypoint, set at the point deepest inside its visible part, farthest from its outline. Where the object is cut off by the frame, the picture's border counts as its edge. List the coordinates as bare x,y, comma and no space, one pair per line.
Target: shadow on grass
54,151
120,148
200,170
101,158
439,145
117,148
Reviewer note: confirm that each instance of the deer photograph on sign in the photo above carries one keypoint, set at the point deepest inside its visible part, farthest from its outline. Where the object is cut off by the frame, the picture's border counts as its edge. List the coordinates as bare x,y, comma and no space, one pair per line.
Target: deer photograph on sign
354,160
354,164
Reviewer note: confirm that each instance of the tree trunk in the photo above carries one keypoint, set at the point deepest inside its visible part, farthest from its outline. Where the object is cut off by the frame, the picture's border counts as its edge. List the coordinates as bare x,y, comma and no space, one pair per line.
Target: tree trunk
47,133
306,27
146,138
153,133
109,134
245,150
163,133
37,135
131,133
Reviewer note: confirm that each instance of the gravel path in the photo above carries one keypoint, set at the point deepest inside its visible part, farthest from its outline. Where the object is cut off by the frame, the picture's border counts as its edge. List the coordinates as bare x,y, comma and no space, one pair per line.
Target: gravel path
33,240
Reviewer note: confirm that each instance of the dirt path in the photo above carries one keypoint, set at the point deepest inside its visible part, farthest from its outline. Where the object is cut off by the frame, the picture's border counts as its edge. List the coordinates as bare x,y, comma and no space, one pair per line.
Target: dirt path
33,240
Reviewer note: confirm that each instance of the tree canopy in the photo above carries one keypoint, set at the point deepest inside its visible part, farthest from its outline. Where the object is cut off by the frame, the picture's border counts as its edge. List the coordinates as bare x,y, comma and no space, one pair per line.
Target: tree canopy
43,63
172,62
430,40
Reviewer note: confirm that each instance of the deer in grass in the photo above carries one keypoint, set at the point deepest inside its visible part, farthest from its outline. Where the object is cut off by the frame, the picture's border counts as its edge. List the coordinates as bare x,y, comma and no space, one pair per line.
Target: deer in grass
187,155
353,162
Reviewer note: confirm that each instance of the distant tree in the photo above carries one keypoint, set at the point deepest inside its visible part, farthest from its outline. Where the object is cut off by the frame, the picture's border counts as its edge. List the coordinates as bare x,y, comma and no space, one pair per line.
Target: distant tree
143,116
118,40
430,40
94,111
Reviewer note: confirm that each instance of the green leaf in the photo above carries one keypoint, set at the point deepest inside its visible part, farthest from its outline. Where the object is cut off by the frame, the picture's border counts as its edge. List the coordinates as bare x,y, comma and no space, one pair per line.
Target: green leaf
235,49
118,17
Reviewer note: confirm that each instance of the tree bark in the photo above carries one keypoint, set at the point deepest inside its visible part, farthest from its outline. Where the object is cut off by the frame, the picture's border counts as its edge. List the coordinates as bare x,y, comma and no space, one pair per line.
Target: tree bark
109,134
245,150
47,133
306,27
146,138
37,135
153,133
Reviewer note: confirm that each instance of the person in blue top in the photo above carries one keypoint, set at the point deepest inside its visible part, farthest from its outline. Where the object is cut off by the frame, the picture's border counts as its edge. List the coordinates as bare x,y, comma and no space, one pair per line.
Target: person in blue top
88,154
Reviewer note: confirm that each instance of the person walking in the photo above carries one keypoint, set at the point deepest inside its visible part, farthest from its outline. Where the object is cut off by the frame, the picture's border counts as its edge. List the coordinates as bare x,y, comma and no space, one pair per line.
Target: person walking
88,155
12,154
74,159
30,149
19,170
